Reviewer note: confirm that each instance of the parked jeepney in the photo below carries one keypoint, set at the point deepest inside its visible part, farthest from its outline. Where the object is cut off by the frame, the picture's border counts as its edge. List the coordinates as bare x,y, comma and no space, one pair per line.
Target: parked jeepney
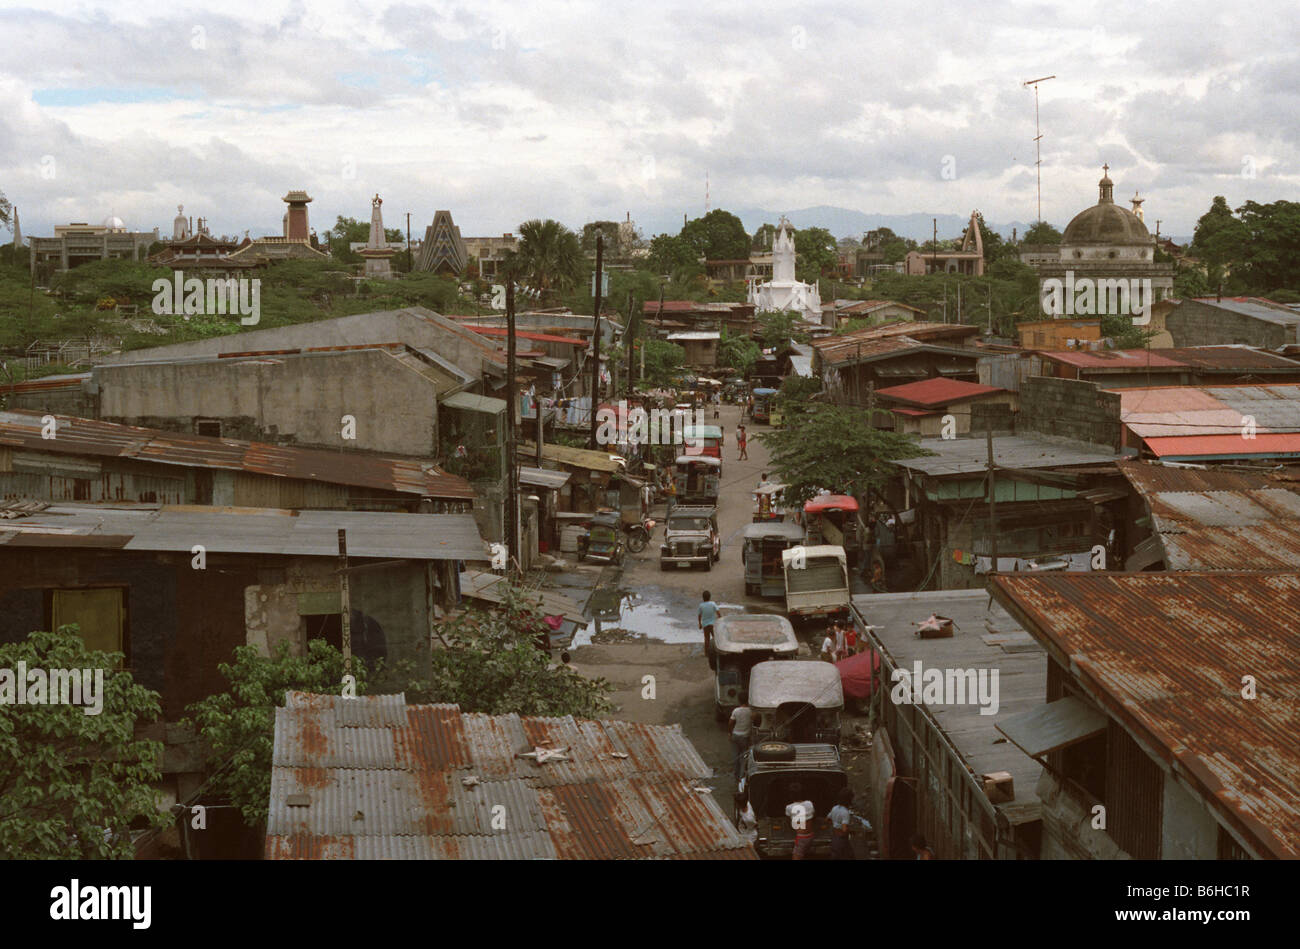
697,478
835,519
603,540
816,581
771,770
740,642
764,542
798,701
703,440
767,501
762,411
691,537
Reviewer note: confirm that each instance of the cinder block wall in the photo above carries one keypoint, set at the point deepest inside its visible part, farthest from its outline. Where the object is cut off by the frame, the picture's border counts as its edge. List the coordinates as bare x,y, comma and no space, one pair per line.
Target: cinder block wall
1200,324
1069,408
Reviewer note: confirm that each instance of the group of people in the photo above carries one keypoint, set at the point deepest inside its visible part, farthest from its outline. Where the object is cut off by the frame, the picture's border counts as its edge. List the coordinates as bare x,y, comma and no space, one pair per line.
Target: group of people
841,641
801,813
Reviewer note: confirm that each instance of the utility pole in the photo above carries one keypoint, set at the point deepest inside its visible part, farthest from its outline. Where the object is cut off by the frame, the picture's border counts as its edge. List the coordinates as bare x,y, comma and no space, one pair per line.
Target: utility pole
410,264
993,504
1038,143
934,245
595,337
630,335
345,603
512,481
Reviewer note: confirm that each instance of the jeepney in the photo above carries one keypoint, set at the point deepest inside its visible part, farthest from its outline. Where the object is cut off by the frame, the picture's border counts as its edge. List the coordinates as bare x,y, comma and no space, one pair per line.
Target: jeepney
691,537
764,542
740,642
795,700
762,411
771,770
697,478
816,581
603,540
767,501
835,519
703,440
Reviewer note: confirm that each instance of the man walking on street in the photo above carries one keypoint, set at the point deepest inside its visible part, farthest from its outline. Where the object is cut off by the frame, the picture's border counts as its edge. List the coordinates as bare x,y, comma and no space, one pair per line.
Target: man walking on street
707,616
741,441
742,718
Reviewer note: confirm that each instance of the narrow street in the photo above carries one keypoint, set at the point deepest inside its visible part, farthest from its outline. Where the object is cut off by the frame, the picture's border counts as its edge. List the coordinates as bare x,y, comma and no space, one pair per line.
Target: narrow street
644,624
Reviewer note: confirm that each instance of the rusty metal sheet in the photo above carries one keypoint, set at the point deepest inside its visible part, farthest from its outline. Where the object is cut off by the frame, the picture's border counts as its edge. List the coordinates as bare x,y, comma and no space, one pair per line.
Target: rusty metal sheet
1164,654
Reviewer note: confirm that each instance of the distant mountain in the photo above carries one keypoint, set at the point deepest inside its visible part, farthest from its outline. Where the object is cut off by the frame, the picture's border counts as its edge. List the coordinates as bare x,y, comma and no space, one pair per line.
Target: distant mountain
842,222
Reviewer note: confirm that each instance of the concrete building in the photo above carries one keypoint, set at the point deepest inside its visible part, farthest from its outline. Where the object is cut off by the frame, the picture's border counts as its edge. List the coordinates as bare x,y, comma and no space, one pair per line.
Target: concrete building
1245,321
840,312
490,252
1110,243
1145,716
929,760
132,580
1059,334
967,259
80,243
920,408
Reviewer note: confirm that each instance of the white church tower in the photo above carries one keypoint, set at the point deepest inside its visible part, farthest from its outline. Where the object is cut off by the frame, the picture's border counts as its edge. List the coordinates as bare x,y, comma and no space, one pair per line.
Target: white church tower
783,292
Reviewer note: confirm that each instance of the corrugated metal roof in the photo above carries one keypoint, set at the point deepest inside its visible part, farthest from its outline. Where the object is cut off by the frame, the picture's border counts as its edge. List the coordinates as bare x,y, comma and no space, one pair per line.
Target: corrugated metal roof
354,779
535,337
956,456
1256,307
1164,655
1209,410
1220,520
543,477
251,530
1192,447
577,457
874,340
79,436
469,402
935,392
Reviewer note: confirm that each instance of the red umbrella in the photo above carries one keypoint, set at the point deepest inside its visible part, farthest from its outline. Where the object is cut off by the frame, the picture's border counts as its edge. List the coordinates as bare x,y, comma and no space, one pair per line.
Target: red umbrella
857,674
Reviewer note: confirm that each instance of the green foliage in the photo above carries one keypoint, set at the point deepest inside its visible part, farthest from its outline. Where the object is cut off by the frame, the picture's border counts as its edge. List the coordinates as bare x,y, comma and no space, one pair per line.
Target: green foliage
793,398
1041,232
776,328
549,257
816,253
124,280
1119,328
668,252
738,352
1284,296
348,230
719,235
885,241
1191,282
834,447
492,664
72,785
663,361
239,724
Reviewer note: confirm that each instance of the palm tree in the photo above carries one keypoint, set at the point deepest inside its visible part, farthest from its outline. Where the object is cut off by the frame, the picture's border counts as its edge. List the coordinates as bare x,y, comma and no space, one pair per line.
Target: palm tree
549,258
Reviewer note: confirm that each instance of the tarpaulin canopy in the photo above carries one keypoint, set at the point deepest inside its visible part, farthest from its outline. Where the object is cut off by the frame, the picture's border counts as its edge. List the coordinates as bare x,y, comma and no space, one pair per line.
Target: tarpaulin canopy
857,674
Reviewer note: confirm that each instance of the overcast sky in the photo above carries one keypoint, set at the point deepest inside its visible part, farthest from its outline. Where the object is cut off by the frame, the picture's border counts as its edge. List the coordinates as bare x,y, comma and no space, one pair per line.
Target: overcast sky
588,110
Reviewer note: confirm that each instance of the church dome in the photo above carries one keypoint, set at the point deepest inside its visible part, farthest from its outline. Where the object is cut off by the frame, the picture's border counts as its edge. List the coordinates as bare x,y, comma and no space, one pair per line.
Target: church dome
1106,222
114,223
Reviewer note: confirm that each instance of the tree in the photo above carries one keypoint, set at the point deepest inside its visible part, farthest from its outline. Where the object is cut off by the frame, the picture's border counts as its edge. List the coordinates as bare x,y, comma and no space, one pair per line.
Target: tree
738,352
776,328
834,447
1119,329
239,724
613,247
662,361
719,235
1041,232
72,784
884,240
1272,244
6,212
667,253
348,230
549,258
763,239
994,246
492,664
793,398
817,252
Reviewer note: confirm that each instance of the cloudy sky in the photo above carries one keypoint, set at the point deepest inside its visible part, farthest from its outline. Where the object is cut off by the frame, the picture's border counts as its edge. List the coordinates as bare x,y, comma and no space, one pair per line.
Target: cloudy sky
589,110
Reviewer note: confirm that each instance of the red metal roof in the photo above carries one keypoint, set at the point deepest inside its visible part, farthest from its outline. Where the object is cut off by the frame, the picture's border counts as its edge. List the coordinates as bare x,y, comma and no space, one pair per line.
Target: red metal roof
830,502
535,337
1164,655
1113,359
936,392
1264,443
80,436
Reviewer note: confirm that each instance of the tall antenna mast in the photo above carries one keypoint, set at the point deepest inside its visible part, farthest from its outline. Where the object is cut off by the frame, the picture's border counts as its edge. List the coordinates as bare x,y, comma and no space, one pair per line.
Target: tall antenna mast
1038,139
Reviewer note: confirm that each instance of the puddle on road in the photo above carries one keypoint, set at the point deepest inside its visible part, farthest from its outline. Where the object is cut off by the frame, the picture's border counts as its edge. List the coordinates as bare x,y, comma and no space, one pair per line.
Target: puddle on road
650,614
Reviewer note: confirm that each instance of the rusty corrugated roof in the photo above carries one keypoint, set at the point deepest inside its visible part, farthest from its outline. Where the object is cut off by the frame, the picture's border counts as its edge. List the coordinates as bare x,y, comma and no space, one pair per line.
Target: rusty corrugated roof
1220,520
373,778
1164,655
876,341
80,436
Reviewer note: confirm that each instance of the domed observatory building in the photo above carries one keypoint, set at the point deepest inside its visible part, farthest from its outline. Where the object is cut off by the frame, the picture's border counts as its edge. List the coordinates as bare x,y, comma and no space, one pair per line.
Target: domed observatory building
1106,262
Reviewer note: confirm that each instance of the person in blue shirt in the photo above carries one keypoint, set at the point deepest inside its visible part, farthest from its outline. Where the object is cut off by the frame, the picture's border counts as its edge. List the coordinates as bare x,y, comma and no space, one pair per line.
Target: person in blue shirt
707,616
